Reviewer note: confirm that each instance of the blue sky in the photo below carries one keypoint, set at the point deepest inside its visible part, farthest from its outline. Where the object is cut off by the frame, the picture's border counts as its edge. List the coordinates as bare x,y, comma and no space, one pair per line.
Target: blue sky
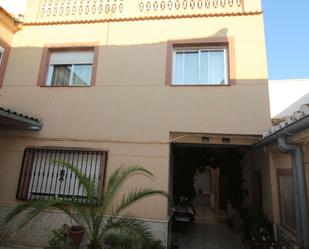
287,38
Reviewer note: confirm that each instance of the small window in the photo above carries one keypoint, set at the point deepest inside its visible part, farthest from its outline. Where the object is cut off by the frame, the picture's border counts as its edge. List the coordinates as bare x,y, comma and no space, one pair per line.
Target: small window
202,66
70,68
1,53
42,178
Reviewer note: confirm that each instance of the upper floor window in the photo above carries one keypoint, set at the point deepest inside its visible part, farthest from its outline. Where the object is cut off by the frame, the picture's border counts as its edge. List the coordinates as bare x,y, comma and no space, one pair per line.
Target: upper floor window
200,66
1,53
70,68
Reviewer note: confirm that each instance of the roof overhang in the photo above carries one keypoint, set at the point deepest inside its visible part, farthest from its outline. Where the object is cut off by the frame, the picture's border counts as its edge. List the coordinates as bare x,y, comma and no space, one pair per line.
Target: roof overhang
210,139
9,20
16,121
290,130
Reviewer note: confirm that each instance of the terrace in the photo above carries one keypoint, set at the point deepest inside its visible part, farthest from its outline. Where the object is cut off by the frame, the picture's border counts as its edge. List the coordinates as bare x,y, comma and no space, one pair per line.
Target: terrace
75,11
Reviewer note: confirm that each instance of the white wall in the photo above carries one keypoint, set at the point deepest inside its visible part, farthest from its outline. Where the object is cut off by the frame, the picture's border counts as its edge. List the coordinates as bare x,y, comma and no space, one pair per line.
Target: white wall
286,96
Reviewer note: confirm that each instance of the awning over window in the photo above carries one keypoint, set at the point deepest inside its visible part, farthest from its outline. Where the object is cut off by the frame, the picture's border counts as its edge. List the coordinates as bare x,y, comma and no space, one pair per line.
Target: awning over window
14,120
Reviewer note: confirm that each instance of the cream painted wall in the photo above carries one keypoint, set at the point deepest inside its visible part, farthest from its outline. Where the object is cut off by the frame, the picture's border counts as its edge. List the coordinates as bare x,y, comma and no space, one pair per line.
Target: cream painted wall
140,88
130,111
152,157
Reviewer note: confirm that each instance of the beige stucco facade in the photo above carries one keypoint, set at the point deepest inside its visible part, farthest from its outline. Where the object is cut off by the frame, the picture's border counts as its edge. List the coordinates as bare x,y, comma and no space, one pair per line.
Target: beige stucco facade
131,111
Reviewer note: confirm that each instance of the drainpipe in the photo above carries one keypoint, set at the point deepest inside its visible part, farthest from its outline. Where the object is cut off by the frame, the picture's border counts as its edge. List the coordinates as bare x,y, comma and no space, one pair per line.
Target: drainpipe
300,191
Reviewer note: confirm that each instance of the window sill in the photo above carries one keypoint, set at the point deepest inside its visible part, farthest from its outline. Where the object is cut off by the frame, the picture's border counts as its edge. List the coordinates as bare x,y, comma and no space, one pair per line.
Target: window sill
45,86
201,85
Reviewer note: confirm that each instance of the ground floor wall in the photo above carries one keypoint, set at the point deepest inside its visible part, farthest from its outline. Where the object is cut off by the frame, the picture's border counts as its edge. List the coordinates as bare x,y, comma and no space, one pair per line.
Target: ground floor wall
38,232
153,157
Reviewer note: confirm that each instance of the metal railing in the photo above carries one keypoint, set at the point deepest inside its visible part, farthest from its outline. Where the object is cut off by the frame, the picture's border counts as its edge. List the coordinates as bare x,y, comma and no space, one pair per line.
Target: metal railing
57,10
42,177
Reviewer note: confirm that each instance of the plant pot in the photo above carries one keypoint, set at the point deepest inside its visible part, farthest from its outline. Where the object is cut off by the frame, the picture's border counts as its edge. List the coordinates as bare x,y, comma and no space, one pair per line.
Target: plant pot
258,245
94,246
76,234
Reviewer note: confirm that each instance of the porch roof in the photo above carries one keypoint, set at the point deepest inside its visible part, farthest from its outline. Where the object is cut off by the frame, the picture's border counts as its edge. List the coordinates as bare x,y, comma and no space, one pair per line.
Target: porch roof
14,120
291,125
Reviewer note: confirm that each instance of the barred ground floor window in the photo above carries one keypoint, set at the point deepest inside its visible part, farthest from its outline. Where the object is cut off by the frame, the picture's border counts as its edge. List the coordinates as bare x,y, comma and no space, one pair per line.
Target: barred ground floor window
43,177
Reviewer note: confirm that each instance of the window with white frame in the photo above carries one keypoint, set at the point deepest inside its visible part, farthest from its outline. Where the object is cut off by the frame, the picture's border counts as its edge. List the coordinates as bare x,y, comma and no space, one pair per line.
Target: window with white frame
1,53
70,68
200,66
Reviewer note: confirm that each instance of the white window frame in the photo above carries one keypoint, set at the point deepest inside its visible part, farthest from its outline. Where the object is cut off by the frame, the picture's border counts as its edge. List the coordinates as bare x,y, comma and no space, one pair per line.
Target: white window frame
70,83
1,53
51,71
199,50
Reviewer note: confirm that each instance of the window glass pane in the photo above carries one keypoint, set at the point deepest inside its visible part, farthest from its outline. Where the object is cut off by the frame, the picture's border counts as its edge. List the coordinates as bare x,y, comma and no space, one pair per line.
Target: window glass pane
82,75
287,202
203,66
178,68
216,69
204,75
191,65
61,75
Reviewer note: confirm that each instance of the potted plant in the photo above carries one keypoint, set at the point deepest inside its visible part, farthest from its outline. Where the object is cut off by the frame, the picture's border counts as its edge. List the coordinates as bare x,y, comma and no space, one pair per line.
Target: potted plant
60,239
257,229
76,234
100,214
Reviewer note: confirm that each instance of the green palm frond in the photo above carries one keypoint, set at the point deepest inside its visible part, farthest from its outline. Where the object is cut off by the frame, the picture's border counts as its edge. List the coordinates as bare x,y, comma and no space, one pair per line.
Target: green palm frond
32,209
117,179
16,211
100,214
134,196
135,226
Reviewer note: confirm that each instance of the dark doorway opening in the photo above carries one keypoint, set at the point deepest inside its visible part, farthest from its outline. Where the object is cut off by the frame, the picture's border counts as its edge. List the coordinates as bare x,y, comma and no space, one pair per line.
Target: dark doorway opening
207,182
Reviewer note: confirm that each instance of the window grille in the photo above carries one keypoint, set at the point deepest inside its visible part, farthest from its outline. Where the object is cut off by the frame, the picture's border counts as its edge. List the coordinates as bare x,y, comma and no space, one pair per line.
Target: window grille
41,177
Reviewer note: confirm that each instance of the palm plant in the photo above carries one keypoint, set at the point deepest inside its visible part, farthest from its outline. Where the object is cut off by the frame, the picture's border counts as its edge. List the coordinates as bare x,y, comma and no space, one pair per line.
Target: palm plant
102,215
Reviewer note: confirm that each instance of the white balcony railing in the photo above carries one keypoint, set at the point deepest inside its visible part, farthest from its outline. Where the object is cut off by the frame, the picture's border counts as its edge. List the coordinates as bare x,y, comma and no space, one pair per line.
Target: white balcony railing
163,5
63,10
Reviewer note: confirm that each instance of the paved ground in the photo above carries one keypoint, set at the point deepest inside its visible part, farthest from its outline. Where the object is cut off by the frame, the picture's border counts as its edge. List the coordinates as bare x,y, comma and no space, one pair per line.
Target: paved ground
198,236
208,236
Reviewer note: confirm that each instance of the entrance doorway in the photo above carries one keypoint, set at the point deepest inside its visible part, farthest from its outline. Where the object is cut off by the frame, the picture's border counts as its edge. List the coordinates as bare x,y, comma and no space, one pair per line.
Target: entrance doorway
208,182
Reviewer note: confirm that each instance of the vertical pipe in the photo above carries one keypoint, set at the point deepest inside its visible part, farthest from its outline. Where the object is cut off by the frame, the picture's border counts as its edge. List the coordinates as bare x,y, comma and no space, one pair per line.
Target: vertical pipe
299,230
300,191
303,200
